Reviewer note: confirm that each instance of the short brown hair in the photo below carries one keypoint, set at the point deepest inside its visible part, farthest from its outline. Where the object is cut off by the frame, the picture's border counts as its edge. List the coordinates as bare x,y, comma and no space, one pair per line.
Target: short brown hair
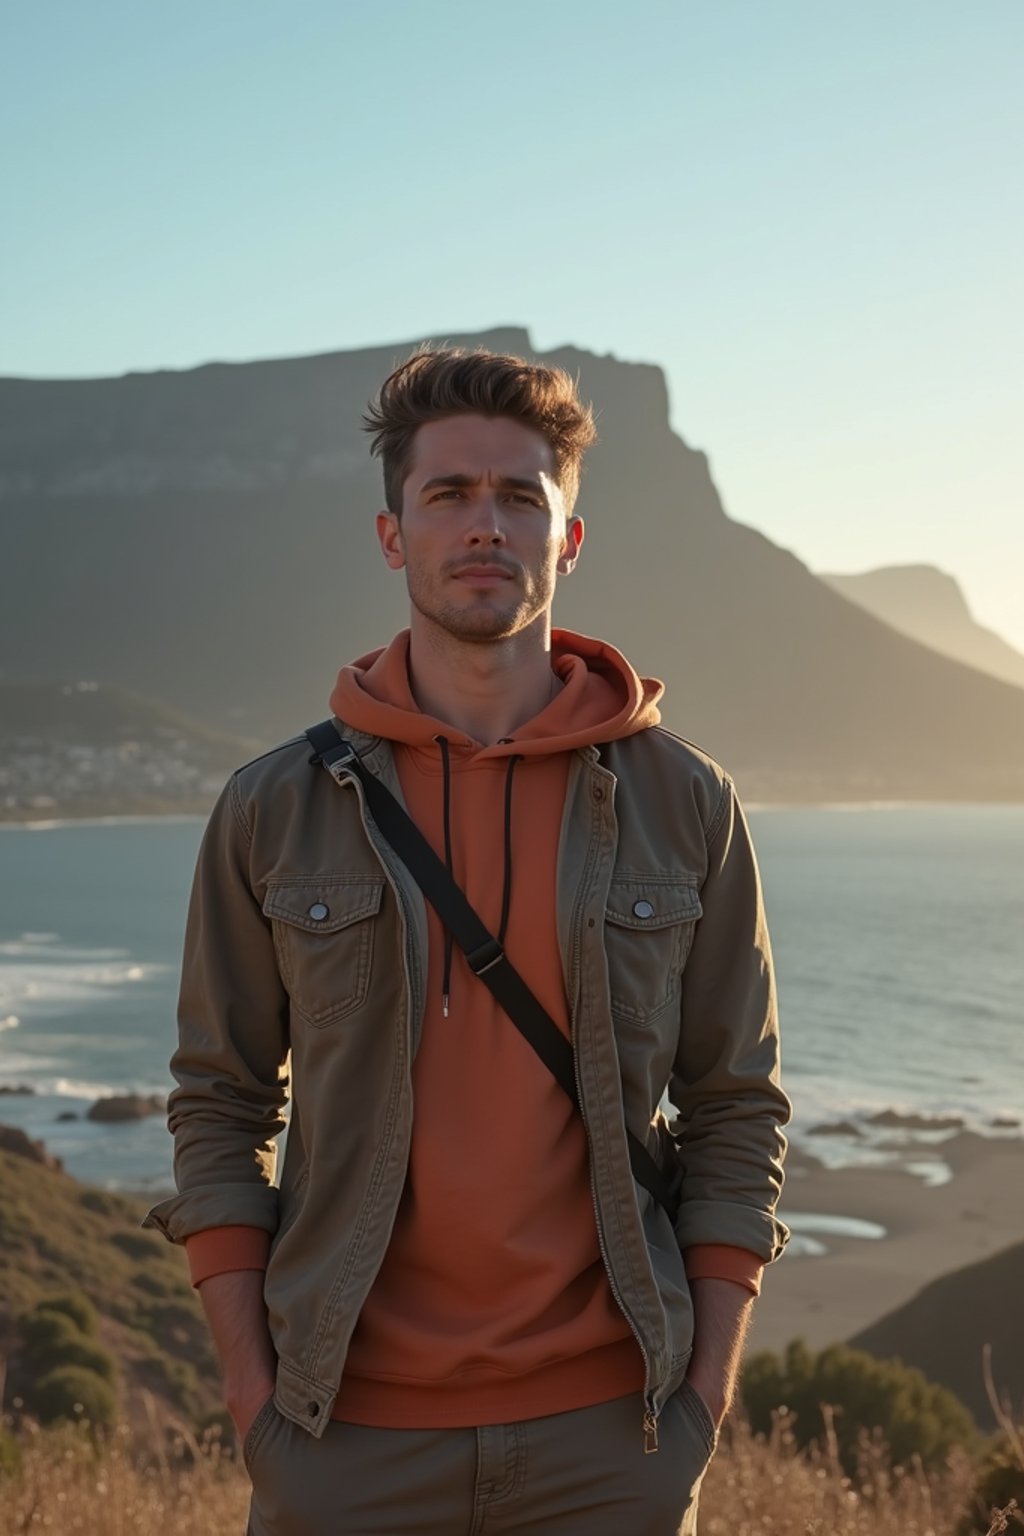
453,380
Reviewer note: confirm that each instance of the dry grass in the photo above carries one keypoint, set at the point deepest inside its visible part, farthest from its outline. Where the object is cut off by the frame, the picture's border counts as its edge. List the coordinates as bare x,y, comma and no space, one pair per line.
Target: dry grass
156,1480
154,1483
761,1487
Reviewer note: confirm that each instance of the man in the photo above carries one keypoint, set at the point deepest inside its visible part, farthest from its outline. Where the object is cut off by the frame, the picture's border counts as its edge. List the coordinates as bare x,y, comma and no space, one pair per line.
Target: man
460,1311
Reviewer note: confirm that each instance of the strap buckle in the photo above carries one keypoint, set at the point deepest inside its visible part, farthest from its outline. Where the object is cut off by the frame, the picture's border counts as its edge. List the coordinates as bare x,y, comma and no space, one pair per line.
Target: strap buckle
481,960
337,762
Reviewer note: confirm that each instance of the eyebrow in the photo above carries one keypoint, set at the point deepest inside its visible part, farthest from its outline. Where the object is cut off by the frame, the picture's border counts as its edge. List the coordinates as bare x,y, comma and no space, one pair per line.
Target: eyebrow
507,482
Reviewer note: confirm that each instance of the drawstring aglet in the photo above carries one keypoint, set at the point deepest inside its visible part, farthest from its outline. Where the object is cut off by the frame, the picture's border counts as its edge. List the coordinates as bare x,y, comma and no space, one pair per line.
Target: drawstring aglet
444,1004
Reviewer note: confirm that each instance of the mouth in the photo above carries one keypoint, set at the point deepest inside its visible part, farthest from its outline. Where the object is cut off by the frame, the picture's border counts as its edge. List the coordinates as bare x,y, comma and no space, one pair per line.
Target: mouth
482,575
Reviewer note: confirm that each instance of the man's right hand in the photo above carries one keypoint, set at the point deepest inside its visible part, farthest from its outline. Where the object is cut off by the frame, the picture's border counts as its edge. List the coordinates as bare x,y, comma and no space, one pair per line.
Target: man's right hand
244,1404
237,1315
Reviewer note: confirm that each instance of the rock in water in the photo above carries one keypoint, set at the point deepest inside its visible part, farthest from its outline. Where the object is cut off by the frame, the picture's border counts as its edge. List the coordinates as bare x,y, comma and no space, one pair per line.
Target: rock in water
126,1106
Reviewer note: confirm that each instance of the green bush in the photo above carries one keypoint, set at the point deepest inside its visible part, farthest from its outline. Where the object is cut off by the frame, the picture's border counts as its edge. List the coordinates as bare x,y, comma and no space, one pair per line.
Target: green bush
137,1245
1000,1479
74,1305
71,1392
153,1285
916,1417
81,1352
52,1336
46,1333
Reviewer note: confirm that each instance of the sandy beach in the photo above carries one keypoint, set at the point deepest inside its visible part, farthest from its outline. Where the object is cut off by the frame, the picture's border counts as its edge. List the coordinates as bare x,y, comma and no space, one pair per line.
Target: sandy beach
929,1230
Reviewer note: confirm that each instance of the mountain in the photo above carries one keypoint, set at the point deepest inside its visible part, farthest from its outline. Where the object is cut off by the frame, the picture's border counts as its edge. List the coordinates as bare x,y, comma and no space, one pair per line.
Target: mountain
945,1327
85,749
206,537
929,606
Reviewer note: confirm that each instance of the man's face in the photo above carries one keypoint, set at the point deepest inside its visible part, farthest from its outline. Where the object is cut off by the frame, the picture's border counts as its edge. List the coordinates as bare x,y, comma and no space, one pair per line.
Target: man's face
483,532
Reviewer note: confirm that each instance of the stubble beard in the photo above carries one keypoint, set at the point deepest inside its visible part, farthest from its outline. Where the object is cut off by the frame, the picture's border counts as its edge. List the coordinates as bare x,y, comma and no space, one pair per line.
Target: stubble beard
490,617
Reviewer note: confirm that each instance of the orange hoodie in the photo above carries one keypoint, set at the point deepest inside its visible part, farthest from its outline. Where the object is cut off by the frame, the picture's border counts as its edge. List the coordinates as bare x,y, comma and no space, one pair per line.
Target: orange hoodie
492,1303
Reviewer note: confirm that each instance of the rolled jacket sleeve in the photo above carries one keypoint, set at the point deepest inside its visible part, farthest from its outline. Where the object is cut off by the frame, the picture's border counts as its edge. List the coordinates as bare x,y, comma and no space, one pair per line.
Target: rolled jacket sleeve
230,1061
725,1082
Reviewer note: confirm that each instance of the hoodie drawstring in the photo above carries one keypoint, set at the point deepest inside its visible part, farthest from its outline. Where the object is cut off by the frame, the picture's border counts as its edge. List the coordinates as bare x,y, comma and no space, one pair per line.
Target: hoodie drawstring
506,890
446,765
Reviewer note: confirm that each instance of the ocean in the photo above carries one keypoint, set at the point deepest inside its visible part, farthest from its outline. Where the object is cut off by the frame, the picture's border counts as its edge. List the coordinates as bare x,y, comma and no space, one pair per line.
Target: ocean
898,935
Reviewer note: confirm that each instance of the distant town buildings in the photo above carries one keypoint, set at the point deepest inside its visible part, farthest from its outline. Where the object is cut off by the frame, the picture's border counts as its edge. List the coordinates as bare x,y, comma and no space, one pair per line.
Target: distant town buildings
42,778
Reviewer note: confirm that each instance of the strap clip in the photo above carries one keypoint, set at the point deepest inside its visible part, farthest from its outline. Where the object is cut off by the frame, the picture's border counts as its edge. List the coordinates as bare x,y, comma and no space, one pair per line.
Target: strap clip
338,760
481,960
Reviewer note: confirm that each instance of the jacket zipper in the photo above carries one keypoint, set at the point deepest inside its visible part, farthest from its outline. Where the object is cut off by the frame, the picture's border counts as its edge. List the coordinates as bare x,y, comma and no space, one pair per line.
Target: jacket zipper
650,1418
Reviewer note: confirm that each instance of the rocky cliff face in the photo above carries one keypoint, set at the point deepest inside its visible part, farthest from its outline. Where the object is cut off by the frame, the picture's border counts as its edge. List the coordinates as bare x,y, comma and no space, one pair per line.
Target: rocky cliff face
929,606
206,537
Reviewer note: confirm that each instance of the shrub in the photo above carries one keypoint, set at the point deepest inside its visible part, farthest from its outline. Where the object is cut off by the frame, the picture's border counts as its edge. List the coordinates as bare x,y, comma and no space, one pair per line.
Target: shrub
45,1333
70,1392
915,1417
60,1351
74,1305
51,1337
81,1352
1000,1479
153,1285
137,1245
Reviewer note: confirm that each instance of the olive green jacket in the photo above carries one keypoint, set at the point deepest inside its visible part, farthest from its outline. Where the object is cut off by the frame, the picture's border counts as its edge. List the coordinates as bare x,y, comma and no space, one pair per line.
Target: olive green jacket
669,977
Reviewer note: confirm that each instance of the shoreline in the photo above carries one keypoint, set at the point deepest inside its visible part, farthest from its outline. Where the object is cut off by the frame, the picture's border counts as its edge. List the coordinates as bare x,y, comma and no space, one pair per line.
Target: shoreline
930,1229
53,821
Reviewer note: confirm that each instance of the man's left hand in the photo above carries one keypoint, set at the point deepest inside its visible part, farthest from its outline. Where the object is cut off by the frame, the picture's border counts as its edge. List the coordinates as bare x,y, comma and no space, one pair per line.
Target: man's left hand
722,1312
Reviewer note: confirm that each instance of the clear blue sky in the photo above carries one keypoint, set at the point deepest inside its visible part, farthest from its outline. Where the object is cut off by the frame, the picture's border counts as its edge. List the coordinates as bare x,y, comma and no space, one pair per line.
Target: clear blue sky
807,212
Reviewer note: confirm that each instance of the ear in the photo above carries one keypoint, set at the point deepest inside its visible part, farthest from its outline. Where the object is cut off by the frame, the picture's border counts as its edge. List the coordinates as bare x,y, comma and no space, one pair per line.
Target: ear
389,532
571,546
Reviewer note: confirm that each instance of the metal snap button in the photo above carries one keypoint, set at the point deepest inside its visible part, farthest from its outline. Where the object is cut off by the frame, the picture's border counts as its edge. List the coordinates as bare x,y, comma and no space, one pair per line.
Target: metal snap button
319,911
313,1409
642,909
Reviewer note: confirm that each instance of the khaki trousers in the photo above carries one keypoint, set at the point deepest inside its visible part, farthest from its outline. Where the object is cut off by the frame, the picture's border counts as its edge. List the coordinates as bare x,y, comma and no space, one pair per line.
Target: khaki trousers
583,1473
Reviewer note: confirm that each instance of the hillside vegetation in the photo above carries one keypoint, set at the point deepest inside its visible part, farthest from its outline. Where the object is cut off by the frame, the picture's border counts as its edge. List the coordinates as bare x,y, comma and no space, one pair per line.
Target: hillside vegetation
82,1287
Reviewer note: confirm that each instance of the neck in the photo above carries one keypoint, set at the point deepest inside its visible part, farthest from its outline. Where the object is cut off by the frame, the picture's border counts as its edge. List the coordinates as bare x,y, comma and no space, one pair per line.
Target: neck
485,690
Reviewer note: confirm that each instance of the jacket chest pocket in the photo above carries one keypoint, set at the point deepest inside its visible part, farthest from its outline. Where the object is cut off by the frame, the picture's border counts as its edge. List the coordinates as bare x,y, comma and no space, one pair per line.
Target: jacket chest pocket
324,932
649,927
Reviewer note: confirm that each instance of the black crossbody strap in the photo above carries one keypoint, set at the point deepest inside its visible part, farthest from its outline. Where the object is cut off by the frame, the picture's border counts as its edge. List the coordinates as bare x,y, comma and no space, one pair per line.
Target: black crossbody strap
484,955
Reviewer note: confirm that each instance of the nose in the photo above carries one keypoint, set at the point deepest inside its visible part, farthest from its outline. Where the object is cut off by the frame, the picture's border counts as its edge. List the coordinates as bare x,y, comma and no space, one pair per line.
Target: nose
485,526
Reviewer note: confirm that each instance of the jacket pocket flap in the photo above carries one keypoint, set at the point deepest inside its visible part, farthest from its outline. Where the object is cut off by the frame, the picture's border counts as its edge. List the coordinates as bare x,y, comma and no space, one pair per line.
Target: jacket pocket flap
645,902
324,905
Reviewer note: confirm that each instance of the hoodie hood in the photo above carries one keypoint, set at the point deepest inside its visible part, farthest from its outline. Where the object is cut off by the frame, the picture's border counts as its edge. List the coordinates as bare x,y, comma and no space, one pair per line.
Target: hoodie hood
601,699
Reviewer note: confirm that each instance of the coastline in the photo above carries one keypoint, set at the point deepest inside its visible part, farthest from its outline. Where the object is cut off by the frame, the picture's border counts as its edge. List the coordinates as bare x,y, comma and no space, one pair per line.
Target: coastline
930,1229
50,823
56,819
